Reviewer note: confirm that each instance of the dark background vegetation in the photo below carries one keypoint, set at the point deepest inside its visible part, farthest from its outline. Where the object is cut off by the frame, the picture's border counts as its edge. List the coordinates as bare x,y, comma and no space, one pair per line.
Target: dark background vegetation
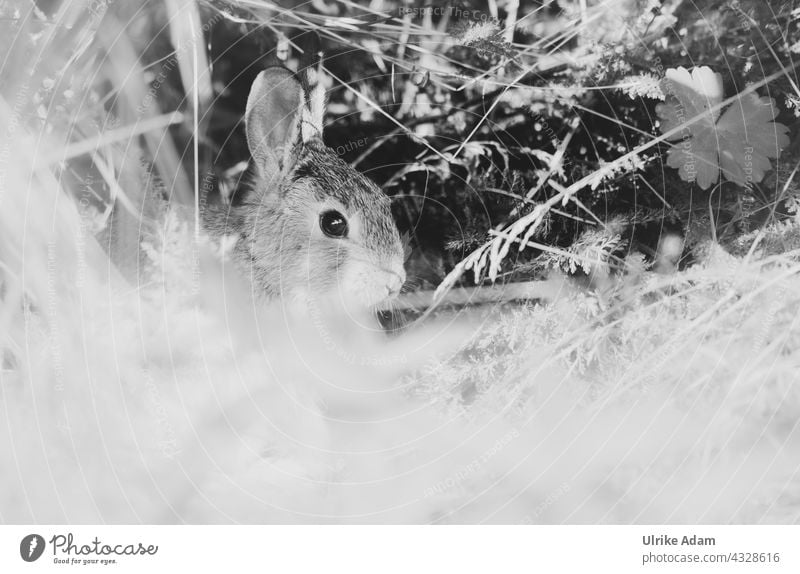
412,82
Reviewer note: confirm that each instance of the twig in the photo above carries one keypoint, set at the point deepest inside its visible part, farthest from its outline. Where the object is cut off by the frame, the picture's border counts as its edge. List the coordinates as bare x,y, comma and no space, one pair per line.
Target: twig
124,133
461,296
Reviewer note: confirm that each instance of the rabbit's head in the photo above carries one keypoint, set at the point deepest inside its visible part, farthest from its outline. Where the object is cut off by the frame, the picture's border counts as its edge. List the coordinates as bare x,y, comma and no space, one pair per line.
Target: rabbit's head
309,224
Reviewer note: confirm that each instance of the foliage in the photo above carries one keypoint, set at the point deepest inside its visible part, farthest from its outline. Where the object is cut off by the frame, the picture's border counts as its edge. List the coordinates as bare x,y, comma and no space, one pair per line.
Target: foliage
490,123
511,150
739,143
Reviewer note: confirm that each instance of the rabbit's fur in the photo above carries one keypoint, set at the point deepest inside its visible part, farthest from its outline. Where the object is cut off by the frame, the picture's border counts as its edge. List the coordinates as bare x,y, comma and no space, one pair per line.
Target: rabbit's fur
294,179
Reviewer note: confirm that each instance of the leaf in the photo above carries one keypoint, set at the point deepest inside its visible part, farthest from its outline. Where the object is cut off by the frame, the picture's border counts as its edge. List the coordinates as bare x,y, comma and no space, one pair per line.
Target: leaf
692,95
740,143
751,138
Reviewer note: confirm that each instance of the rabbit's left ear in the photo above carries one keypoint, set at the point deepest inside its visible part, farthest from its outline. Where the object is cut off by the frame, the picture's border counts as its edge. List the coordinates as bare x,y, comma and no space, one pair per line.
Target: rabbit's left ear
272,120
279,120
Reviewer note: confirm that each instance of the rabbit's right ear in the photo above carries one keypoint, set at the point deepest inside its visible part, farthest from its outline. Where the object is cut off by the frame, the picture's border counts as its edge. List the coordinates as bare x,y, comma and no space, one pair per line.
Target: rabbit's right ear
272,121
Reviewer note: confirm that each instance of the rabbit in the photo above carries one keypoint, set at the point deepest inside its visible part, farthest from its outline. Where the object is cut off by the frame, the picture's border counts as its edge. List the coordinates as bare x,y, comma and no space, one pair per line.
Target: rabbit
306,225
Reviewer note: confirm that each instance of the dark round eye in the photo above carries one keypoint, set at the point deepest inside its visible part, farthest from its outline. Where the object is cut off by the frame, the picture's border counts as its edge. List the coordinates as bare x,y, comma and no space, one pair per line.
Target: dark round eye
333,224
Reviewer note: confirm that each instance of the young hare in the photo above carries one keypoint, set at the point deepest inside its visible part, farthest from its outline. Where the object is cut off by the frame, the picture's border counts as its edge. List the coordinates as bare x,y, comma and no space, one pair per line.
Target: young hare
307,225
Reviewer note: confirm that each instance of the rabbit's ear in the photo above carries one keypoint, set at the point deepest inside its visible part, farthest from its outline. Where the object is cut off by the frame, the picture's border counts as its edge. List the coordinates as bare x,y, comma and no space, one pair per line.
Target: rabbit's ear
275,113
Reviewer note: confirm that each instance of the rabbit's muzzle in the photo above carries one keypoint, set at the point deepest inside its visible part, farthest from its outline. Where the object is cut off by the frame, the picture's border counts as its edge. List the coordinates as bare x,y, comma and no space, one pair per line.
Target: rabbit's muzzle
394,283
366,284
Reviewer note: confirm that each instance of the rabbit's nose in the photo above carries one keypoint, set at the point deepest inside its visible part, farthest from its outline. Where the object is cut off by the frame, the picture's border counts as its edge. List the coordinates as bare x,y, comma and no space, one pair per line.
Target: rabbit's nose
395,282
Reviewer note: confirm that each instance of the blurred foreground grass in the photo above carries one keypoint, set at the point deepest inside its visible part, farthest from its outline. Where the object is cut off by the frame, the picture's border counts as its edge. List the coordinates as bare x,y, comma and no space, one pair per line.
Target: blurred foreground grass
144,384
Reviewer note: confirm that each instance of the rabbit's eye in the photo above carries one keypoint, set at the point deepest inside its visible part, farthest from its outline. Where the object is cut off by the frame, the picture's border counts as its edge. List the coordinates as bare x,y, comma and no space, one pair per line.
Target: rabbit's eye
333,224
